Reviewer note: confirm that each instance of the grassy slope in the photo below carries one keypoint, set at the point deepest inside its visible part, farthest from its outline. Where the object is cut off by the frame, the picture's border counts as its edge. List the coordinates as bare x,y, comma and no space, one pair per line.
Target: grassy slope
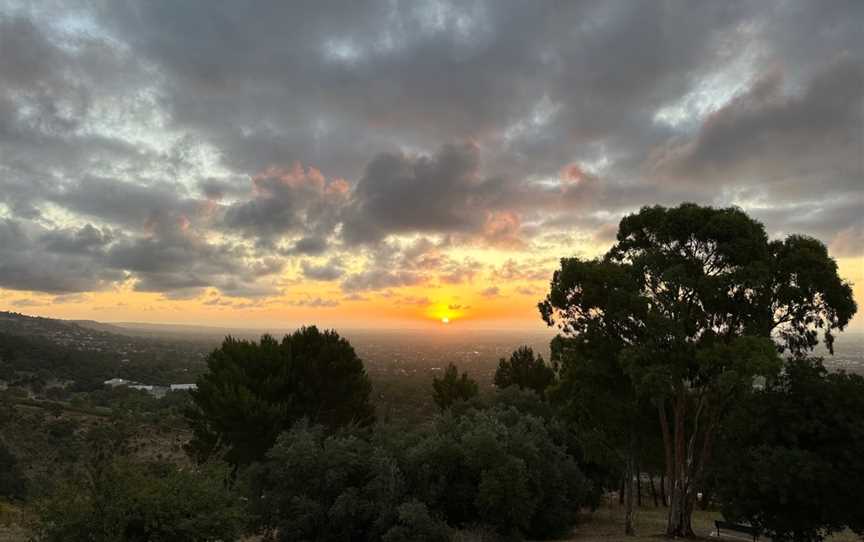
607,524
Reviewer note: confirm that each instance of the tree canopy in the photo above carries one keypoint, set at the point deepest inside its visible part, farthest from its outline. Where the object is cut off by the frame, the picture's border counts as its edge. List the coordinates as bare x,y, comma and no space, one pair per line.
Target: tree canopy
452,387
525,370
791,455
253,391
497,466
690,299
611,420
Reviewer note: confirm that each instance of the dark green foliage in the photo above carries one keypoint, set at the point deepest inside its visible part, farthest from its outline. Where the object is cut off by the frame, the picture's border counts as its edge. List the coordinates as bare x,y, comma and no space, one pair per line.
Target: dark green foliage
12,482
524,370
791,460
564,434
685,305
804,295
499,467
338,487
124,501
34,351
36,356
415,524
451,387
255,390
613,423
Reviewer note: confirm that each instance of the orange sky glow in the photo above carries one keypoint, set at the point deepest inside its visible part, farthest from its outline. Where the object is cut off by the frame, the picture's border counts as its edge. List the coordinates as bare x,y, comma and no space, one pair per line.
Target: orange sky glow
466,306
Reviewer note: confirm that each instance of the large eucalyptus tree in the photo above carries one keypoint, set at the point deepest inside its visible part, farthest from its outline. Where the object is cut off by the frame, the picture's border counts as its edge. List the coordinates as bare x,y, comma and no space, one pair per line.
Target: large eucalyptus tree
693,304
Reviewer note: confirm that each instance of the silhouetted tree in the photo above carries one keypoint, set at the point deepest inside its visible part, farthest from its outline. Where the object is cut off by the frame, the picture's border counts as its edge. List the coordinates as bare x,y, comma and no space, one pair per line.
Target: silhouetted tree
452,387
609,417
338,487
791,461
255,390
524,370
694,296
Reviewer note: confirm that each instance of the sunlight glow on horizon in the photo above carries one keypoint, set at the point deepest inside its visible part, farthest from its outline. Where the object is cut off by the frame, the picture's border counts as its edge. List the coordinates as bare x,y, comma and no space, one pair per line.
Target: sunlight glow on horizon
422,306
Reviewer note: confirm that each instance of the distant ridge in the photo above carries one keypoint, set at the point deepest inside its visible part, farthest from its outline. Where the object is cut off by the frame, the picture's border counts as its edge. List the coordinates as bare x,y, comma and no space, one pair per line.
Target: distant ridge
99,326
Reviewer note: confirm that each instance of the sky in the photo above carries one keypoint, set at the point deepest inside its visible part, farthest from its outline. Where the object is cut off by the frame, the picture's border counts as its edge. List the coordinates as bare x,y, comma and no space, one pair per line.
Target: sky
395,164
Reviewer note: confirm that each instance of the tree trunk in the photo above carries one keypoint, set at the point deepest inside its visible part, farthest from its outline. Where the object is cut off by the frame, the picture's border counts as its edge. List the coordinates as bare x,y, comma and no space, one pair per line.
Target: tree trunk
680,500
623,489
654,490
629,530
668,476
663,489
639,485
689,464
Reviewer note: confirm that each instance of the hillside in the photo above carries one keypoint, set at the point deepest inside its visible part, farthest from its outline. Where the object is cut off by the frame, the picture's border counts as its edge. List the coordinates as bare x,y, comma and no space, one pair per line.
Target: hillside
38,352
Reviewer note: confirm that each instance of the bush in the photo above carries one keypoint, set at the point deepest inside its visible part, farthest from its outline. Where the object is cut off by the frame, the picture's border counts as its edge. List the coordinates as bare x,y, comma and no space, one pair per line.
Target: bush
12,482
337,487
498,467
415,524
122,500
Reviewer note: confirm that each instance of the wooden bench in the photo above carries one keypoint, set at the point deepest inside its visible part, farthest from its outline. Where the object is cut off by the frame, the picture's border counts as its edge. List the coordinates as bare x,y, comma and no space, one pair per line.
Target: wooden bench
736,527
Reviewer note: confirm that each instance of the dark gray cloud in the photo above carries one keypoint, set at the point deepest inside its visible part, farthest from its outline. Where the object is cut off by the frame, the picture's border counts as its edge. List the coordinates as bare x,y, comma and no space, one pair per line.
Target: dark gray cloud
191,146
85,240
331,270
33,258
311,246
130,204
769,134
172,258
175,257
430,194
292,201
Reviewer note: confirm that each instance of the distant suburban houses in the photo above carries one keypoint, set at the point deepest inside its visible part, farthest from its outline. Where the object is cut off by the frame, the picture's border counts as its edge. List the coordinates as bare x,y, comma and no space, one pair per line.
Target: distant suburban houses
157,391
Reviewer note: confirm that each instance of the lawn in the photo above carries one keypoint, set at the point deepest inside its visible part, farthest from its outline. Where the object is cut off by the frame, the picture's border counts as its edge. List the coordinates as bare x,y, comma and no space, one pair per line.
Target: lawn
607,524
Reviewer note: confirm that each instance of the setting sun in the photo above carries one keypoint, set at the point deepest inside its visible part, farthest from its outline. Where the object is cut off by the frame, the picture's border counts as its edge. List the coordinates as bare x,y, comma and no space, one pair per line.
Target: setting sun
445,320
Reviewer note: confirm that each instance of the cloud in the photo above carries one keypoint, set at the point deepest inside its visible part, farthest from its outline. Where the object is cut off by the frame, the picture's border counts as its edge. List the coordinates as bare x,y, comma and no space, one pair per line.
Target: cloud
312,246
399,193
26,302
849,242
180,148
456,272
420,301
529,269
379,279
529,290
492,291
332,270
37,259
288,201
87,239
314,302
777,137
172,258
